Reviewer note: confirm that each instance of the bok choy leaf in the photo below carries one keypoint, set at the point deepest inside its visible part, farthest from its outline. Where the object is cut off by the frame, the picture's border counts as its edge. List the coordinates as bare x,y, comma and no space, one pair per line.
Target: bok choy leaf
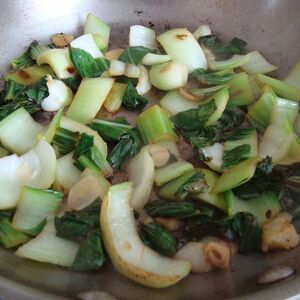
135,54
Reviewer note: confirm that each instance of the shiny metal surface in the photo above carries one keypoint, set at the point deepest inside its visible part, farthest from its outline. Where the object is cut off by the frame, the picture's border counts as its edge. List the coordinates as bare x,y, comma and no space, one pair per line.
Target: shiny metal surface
271,26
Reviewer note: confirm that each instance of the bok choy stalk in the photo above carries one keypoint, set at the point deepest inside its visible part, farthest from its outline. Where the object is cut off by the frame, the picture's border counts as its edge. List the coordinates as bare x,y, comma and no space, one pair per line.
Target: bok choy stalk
87,43
158,238
181,45
89,98
66,173
154,125
91,254
47,247
281,88
52,127
151,59
281,143
111,130
169,76
257,64
3,151
35,208
175,103
29,75
259,114
10,237
140,170
128,146
59,95
142,36
171,171
168,209
234,62
86,65
59,60
99,30
202,30
240,92
144,84
236,175
283,109
18,131
115,96
293,77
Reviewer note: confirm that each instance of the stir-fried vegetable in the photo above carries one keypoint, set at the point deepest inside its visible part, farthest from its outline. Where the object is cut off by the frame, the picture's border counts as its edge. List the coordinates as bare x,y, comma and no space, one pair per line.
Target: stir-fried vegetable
171,147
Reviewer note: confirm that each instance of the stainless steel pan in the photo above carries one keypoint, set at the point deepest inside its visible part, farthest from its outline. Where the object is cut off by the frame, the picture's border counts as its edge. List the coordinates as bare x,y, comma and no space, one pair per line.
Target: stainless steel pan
271,26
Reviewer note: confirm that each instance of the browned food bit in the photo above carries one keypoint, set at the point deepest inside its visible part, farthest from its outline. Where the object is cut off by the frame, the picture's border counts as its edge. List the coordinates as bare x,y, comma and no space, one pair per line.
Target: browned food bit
62,39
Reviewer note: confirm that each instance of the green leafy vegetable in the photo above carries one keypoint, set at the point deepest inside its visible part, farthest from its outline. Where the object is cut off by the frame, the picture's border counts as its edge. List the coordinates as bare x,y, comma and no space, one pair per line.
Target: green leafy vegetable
128,146
213,77
91,254
168,209
111,130
86,65
77,224
194,119
248,231
135,54
236,155
223,50
132,100
17,95
72,83
10,237
66,140
85,144
7,214
158,238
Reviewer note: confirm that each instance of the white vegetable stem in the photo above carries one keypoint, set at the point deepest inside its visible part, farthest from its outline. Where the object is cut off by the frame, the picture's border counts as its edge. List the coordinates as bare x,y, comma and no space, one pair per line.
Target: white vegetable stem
59,95
144,84
169,76
202,30
140,170
182,46
142,36
257,64
151,59
87,43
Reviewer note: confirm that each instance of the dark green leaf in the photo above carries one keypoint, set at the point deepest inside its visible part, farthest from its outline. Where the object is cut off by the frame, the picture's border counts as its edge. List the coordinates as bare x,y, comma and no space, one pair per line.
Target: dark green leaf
85,144
7,214
264,167
10,237
72,83
111,130
248,231
132,100
236,155
194,119
240,133
223,50
77,224
86,65
134,55
168,209
128,146
91,254
12,90
125,79
158,238
66,140
212,77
